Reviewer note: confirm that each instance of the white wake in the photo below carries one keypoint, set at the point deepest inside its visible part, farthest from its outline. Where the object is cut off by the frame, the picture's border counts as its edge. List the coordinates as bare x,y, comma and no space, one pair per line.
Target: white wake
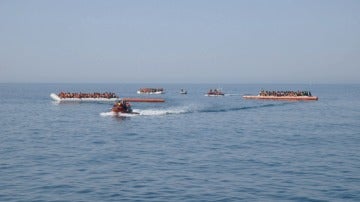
148,112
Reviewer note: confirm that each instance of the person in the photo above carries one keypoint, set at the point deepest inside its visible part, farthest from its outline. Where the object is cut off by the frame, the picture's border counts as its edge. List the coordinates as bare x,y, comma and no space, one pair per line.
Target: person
128,107
123,105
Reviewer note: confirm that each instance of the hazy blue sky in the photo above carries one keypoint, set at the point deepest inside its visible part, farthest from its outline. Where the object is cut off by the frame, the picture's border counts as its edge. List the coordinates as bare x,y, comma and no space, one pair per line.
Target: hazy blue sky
197,41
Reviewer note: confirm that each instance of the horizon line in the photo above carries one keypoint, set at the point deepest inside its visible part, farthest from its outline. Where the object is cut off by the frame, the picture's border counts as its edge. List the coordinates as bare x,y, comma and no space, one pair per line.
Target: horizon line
200,83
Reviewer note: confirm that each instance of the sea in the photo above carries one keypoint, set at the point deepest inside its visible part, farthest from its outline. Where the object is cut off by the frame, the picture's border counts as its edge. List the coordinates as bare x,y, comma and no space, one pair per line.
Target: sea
189,148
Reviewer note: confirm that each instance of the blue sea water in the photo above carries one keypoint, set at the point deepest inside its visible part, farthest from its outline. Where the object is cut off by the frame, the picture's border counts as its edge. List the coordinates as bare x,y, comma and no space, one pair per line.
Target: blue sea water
190,148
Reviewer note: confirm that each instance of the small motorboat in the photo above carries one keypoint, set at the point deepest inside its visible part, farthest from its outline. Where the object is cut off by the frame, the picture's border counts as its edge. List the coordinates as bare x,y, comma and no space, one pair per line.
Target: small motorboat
183,92
122,107
215,92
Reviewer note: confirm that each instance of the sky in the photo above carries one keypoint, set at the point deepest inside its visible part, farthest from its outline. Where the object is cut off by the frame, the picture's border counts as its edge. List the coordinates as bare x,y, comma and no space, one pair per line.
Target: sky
183,41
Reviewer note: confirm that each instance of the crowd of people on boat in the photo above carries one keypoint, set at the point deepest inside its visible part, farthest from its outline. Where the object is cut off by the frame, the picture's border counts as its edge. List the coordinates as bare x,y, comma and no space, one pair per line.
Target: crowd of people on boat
106,95
151,90
284,93
215,92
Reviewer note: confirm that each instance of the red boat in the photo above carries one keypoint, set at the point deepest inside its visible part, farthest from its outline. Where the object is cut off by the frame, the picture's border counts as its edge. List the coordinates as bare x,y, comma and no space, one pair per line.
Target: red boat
122,106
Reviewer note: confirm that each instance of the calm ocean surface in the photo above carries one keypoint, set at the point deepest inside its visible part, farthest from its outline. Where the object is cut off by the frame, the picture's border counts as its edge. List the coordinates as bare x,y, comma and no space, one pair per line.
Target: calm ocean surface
190,148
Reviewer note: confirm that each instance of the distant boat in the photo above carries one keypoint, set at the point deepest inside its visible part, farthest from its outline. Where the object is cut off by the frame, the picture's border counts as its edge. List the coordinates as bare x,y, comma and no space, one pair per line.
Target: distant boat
183,92
283,95
151,91
215,92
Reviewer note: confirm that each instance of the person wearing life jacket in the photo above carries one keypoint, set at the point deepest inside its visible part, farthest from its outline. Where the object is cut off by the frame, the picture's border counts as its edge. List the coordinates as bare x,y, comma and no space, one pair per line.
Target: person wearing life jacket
128,105
118,107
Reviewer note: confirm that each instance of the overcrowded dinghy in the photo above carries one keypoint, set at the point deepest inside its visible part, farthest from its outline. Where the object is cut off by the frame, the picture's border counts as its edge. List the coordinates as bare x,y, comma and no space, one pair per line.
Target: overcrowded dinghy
84,97
283,95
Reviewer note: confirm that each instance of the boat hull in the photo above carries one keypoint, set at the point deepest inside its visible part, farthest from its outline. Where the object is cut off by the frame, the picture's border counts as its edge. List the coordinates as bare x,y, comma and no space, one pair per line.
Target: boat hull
212,95
124,113
295,98
121,114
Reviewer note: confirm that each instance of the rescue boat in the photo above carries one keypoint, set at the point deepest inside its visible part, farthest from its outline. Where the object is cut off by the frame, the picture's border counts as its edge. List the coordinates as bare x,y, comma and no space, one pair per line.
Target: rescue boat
122,107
